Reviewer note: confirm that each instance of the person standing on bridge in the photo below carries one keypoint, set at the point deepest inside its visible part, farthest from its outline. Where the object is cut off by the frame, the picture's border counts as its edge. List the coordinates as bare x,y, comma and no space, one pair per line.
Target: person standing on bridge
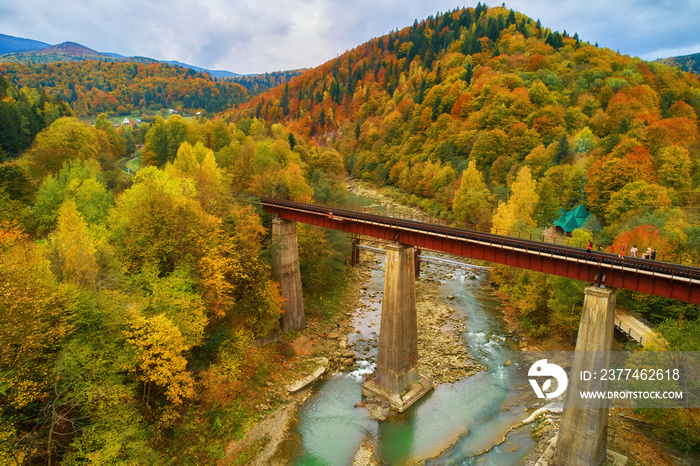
653,255
633,251
622,251
589,246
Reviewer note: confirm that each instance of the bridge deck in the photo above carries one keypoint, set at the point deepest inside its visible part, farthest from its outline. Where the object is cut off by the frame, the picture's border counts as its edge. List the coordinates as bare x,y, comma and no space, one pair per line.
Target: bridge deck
628,324
643,275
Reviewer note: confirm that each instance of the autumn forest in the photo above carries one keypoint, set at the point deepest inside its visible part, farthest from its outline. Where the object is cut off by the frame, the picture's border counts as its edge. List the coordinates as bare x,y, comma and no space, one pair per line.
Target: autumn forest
130,303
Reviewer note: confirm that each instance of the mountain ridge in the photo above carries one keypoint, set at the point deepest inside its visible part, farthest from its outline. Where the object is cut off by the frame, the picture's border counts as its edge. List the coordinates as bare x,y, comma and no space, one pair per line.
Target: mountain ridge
23,50
9,44
29,51
690,63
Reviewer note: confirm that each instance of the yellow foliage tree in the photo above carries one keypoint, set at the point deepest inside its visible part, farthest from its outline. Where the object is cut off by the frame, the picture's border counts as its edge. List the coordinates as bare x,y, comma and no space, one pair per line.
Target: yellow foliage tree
159,221
66,138
517,212
158,346
73,248
331,162
199,165
675,167
237,283
186,159
472,202
291,184
35,317
173,297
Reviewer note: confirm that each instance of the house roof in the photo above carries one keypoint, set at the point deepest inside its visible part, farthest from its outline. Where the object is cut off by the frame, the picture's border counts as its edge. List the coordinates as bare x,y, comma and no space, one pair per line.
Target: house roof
573,219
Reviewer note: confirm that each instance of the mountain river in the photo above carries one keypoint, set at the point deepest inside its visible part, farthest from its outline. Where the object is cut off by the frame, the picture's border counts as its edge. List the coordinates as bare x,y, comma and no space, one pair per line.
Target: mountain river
456,423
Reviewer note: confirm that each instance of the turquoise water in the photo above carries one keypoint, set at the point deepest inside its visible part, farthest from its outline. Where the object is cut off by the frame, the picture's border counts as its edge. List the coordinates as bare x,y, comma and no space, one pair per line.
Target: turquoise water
332,429
454,424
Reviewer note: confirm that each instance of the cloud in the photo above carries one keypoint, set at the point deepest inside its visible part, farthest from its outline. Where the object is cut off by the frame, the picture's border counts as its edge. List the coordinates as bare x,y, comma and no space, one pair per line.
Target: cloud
634,27
250,36
671,52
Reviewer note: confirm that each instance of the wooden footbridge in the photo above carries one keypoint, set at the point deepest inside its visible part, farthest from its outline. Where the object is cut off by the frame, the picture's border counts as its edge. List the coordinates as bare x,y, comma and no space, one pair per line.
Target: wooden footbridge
635,327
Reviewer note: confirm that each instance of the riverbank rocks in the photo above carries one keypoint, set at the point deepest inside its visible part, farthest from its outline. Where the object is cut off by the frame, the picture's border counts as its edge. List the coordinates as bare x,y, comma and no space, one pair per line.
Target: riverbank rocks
379,408
366,453
442,355
308,380
322,361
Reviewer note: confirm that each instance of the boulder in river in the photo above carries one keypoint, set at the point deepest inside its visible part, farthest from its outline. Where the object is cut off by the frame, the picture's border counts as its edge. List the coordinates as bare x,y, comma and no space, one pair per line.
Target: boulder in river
379,408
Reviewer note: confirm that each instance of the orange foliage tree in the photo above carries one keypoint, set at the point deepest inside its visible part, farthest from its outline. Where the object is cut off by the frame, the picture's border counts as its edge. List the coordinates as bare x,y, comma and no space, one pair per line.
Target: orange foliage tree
644,236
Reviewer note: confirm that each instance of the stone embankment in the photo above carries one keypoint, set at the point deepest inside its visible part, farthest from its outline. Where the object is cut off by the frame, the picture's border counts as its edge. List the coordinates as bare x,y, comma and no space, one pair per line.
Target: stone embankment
311,378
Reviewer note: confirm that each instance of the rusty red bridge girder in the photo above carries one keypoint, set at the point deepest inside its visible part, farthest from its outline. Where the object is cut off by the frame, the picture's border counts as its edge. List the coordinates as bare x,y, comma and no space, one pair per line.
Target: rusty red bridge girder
646,276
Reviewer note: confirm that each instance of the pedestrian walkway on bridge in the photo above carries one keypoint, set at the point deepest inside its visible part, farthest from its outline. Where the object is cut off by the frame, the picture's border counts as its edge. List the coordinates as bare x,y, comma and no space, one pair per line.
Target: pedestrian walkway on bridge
637,328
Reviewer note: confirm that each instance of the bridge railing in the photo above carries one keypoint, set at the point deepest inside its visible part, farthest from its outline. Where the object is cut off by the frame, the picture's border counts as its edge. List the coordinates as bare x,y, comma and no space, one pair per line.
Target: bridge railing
630,332
687,259
642,320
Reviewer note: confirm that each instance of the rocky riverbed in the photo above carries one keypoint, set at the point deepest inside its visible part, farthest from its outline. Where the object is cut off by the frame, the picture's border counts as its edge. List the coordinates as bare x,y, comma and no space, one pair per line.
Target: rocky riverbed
441,349
442,353
442,357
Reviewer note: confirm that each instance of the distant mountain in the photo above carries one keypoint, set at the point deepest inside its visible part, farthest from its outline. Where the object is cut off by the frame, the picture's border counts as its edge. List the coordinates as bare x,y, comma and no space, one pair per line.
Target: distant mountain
27,51
214,73
690,63
66,51
9,44
92,87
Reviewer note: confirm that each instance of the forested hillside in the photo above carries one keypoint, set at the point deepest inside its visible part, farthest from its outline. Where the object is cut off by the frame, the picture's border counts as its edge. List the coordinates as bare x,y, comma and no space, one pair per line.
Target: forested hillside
23,113
258,83
485,116
690,63
92,87
129,306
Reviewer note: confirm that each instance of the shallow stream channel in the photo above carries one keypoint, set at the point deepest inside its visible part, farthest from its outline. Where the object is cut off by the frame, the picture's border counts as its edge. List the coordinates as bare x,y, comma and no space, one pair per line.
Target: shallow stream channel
456,423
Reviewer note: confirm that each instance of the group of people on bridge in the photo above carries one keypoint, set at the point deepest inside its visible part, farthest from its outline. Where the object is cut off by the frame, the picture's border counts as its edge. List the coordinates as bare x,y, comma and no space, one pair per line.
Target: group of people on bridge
649,254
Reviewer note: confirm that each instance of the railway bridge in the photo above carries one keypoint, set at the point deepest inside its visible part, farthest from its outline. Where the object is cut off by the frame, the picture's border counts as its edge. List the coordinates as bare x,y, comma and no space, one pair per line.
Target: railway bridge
583,432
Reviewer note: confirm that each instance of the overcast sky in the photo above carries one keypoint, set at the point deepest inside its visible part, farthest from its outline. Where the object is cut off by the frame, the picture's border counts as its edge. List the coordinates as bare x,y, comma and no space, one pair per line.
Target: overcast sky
257,36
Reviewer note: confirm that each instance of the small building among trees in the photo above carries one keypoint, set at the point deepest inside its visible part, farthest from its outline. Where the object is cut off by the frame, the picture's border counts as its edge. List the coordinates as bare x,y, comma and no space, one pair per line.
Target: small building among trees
571,220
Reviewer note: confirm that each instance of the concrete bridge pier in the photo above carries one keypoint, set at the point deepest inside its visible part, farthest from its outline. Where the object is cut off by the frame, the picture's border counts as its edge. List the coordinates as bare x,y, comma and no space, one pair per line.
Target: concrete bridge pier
396,377
355,255
285,271
583,430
